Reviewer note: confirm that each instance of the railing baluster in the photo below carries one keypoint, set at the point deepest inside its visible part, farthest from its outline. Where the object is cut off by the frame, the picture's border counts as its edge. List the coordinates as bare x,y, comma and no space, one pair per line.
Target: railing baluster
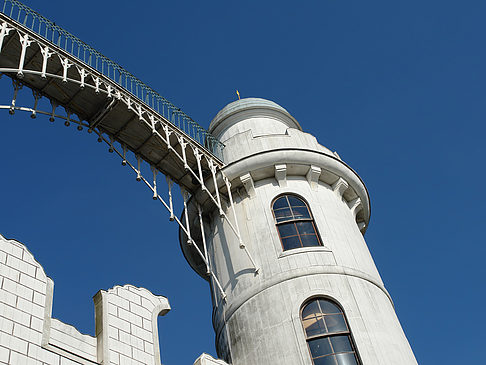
55,34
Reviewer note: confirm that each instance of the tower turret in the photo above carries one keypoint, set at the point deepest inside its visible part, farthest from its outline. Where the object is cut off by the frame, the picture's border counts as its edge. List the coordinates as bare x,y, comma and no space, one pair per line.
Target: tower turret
300,286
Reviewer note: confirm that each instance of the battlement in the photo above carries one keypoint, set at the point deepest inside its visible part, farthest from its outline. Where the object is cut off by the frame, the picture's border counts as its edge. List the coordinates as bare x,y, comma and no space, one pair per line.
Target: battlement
126,319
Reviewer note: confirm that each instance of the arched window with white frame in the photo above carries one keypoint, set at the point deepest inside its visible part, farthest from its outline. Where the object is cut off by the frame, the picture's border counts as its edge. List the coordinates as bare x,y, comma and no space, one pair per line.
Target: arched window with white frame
294,221
328,334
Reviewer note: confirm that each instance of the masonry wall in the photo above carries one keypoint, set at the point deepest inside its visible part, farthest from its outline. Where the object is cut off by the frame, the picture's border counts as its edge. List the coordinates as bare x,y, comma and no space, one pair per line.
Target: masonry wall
126,319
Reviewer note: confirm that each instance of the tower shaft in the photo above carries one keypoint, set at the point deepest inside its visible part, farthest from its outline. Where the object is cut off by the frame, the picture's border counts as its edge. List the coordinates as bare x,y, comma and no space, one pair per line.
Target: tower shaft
317,297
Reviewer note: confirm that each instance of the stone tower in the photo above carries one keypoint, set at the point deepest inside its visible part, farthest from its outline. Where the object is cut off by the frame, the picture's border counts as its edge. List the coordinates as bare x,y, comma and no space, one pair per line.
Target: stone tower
313,295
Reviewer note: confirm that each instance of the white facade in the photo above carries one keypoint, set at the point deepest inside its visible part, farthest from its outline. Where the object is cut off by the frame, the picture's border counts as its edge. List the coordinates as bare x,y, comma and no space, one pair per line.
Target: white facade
267,154
126,319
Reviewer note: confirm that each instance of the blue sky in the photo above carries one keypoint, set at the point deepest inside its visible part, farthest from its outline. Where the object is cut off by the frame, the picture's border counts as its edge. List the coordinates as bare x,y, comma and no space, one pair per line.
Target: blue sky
396,88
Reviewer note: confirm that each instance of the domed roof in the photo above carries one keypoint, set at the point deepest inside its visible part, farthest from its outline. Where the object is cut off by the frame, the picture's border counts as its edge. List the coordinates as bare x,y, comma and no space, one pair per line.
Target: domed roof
248,104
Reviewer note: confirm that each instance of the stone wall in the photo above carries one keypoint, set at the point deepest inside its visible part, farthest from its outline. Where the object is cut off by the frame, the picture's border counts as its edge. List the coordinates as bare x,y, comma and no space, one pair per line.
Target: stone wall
126,319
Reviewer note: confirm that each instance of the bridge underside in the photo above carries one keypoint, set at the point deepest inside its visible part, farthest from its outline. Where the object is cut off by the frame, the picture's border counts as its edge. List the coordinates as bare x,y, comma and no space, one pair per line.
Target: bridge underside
88,96
101,97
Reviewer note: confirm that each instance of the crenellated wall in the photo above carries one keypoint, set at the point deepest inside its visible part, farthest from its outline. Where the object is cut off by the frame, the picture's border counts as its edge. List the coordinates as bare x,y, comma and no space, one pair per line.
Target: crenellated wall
126,319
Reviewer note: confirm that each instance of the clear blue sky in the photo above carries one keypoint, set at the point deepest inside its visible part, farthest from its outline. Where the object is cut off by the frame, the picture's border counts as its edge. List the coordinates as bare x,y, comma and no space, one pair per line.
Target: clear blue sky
398,89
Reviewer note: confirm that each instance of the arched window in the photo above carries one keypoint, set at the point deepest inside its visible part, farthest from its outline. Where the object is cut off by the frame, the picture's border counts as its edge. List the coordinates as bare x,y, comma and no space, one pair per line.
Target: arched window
327,334
294,222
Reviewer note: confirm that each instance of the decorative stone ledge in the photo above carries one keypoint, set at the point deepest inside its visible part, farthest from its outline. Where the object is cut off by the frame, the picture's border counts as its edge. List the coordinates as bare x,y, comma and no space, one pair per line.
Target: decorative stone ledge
247,182
281,175
313,176
340,186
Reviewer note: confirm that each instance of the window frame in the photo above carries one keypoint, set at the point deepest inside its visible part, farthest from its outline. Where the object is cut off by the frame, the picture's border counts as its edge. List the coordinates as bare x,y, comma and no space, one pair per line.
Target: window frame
328,334
294,221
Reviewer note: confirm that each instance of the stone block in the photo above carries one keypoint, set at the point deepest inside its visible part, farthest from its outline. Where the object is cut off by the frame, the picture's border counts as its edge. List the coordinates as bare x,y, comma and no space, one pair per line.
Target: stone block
10,248
119,323
8,298
6,325
20,265
33,283
30,307
15,315
13,343
36,324
39,299
4,354
142,356
130,317
130,296
141,311
148,347
27,334
17,289
38,353
21,359
9,272
121,348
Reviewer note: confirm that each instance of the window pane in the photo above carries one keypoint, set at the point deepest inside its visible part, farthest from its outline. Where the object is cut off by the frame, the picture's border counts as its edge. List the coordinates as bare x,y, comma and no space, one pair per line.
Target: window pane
327,360
287,229
346,359
295,202
309,240
300,212
283,214
328,307
314,326
290,243
305,227
310,309
280,203
320,347
335,323
341,344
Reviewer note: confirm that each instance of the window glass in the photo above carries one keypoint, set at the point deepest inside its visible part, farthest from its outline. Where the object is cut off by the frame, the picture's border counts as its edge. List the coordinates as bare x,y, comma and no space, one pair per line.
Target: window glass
287,229
283,214
328,307
294,201
300,212
281,203
320,347
328,336
327,360
311,309
305,228
295,223
309,240
341,344
291,242
346,359
335,323
314,326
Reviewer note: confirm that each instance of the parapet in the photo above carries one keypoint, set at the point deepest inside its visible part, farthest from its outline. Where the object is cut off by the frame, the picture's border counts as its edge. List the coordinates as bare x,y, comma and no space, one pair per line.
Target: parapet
126,319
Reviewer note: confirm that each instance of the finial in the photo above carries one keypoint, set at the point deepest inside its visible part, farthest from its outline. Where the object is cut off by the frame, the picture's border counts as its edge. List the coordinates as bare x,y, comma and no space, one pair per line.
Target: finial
238,93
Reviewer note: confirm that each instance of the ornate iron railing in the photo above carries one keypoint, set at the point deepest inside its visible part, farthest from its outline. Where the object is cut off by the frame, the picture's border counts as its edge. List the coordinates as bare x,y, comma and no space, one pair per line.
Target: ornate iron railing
79,49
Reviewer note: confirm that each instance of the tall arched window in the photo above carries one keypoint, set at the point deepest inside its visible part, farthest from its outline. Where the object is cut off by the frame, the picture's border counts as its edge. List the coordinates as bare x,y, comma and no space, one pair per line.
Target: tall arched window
327,333
294,222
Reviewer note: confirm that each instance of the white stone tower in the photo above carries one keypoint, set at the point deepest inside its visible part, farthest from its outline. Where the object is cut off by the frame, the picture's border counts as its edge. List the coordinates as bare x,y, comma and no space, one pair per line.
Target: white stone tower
316,296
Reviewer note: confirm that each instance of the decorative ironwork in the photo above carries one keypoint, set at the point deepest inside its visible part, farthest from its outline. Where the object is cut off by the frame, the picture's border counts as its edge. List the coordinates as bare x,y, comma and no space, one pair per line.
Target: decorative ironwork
82,51
61,71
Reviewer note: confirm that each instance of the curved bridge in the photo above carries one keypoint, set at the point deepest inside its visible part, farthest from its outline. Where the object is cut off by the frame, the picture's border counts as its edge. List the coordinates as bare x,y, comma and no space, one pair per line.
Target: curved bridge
72,82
